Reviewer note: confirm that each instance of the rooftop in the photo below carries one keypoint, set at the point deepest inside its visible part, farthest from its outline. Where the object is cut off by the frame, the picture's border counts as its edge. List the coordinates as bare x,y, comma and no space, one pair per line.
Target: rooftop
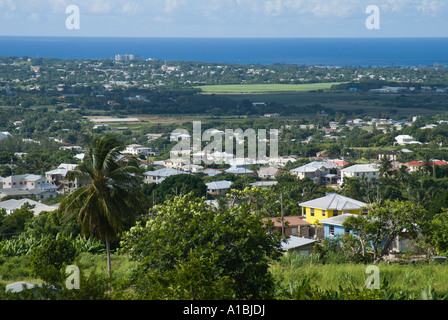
334,201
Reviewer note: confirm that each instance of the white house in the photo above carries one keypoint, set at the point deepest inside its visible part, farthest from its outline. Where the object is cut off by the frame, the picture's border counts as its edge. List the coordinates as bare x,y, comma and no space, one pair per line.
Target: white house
406,139
137,149
218,187
366,171
268,173
158,176
13,204
24,182
316,170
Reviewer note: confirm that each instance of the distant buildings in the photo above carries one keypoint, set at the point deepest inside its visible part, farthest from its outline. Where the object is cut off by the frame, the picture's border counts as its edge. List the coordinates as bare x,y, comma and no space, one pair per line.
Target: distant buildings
158,176
127,57
26,186
406,139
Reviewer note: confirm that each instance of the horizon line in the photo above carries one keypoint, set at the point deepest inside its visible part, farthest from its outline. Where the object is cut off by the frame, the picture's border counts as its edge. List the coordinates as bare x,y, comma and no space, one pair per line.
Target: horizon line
221,37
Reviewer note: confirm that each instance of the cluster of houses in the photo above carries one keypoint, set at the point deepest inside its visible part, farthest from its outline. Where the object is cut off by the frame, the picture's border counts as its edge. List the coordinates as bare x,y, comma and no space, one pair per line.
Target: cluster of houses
320,218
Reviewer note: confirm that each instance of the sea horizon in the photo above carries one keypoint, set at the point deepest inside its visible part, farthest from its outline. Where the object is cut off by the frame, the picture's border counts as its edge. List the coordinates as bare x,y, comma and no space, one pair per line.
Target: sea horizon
331,51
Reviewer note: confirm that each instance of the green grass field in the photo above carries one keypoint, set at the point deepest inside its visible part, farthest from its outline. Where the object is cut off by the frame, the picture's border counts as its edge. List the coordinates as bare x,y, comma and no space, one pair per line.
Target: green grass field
265,88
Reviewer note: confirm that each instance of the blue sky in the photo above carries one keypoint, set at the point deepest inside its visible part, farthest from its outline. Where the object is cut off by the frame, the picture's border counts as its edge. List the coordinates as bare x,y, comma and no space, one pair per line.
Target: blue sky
225,18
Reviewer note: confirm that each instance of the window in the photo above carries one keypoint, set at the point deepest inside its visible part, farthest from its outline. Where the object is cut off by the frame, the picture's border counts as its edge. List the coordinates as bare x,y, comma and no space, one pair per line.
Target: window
323,213
312,212
331,230
335,213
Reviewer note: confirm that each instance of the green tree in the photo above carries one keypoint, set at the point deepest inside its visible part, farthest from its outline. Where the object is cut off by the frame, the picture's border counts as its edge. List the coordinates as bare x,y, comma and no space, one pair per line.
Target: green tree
235,241
107,205
439,233
15,223
384,223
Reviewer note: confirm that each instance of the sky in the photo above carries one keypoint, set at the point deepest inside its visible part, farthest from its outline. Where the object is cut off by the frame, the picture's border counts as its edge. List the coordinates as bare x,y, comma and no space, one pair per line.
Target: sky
224,18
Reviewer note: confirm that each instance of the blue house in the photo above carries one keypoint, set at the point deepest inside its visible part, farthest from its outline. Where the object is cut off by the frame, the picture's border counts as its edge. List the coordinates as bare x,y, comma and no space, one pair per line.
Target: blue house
333,226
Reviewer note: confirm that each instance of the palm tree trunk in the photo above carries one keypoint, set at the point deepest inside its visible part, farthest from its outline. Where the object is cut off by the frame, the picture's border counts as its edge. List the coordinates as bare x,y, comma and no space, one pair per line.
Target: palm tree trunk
108,257
109,268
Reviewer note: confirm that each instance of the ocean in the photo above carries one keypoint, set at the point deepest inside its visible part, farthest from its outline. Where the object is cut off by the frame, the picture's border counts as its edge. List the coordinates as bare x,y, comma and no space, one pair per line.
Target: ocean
297,51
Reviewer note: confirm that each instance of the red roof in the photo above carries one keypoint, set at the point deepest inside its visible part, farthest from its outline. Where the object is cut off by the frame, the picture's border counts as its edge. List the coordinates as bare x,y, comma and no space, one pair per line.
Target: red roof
420,163
289,220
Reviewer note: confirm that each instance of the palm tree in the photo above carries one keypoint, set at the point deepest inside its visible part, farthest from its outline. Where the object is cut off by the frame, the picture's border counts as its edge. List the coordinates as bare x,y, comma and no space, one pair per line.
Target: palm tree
385,166
107,203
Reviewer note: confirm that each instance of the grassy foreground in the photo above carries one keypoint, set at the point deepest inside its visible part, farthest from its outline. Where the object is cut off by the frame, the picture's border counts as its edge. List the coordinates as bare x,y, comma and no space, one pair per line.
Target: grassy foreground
290,271
413,278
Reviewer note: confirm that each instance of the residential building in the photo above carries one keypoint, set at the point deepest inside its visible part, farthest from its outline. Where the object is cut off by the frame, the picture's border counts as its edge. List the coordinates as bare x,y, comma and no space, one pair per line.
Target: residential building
269,173
406,139
137,150
212,172
12,205
331,205
158,176
334,226
263,184
417,165
291,225
24,182
360,171
237,170
297,244
38,193
319,171
218,188
58,178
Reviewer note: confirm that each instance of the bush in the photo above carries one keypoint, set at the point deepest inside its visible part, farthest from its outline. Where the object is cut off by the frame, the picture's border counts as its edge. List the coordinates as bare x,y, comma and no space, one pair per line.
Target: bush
47,260
13,268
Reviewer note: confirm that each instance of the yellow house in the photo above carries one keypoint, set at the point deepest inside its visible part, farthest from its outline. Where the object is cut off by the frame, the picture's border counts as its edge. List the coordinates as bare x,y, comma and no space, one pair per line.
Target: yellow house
331,205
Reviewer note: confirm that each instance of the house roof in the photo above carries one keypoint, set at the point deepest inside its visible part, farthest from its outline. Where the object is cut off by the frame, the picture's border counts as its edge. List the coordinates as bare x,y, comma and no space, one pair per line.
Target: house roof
13,204
290,221
32,177
421,163
19,286
314,166
269,171
295,242
334,201
212,172
337,220
361,168
238,170
165,172
219,185
263,183
60,171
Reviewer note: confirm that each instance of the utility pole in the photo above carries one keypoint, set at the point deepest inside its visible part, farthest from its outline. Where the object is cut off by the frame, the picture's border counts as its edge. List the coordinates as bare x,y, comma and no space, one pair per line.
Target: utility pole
281,212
